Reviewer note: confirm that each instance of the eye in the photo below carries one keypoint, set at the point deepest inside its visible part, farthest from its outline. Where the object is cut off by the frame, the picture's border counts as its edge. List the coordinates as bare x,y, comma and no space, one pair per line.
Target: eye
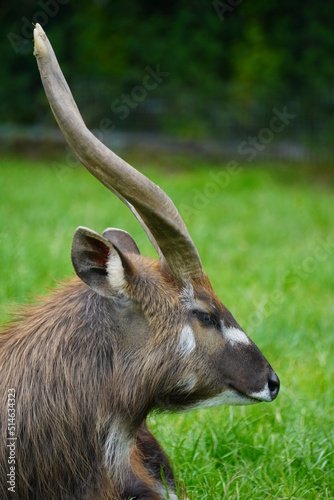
205,318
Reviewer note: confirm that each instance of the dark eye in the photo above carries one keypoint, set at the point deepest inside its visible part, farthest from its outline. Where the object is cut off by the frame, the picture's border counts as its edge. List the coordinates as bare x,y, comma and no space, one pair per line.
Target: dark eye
206,319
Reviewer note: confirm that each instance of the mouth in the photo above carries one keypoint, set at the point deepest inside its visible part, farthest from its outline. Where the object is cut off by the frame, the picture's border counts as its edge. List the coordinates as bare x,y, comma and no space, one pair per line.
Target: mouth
264,396
230,397
267,394
244,399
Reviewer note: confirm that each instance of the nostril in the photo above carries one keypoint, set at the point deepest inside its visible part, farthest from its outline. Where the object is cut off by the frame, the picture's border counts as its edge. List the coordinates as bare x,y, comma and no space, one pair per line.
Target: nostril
273,384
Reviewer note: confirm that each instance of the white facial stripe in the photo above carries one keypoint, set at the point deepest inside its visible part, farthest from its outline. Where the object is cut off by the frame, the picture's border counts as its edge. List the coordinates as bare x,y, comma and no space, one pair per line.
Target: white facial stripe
235,335
115,271
187,341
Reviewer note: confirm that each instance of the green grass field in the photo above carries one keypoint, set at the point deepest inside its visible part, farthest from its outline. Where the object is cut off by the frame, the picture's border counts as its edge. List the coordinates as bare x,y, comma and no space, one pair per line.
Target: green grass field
266,238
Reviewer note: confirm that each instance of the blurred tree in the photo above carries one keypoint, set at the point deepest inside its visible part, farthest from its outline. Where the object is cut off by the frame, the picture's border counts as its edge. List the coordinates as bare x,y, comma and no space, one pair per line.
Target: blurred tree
257,55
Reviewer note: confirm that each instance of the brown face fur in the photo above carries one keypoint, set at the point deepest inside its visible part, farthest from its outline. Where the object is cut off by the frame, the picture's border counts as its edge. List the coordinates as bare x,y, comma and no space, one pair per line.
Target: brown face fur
214,365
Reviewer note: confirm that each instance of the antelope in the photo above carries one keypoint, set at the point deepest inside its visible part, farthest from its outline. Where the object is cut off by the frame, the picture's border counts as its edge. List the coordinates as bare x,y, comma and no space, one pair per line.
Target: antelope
127,335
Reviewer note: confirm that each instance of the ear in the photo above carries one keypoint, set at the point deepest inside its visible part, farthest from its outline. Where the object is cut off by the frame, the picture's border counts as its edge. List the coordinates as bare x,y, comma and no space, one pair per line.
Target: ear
122,240
98,262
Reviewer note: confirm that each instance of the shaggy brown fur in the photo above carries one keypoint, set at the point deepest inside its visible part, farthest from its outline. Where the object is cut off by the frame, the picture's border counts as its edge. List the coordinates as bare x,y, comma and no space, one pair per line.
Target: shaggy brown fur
87,365
76,384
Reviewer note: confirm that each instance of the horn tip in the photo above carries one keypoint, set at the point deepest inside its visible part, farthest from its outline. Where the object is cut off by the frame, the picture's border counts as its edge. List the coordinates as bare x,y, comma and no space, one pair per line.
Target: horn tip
40,49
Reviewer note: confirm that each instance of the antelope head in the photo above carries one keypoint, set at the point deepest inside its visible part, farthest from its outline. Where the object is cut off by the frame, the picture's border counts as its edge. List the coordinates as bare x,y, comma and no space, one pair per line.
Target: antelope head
176,343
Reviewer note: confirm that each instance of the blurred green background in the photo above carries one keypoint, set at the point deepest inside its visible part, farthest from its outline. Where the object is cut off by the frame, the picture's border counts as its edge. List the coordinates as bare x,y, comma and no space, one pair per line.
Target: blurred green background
208,75
229,106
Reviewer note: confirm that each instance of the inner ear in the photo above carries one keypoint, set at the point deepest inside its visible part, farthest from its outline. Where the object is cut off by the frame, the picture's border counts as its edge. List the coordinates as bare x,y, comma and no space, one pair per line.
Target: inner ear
122,240
98,253
98,263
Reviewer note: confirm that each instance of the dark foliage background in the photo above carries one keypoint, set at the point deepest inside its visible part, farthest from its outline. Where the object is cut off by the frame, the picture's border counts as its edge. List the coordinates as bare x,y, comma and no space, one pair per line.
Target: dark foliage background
228,63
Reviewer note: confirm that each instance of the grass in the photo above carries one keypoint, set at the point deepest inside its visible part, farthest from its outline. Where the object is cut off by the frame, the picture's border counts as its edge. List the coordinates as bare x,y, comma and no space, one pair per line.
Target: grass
266,238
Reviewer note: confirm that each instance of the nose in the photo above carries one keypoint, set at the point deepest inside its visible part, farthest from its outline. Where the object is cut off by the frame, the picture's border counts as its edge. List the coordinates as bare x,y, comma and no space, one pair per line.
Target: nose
273,385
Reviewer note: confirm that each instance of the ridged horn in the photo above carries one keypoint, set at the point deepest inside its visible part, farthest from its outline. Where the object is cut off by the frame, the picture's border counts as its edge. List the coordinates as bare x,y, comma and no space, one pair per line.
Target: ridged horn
153,208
